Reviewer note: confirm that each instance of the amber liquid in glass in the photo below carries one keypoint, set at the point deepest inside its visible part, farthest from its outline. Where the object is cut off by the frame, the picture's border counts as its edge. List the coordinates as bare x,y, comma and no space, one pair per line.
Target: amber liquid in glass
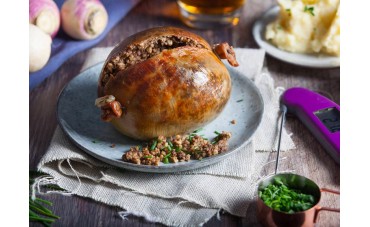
210,13
211,6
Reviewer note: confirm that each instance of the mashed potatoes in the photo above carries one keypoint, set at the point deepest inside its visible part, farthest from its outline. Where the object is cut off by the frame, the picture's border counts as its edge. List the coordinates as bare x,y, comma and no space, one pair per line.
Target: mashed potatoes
307,26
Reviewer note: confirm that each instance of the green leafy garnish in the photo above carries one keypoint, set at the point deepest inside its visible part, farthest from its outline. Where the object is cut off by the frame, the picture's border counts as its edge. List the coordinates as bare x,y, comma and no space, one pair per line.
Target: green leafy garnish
309,10
281,198
167,155
169,148
154,145
170,144
198,130
240,100
289,12
190,138
37,210
217,138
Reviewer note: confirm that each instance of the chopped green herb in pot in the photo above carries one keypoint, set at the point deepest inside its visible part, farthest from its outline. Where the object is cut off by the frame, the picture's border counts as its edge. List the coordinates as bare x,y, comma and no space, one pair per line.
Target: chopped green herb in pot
281,198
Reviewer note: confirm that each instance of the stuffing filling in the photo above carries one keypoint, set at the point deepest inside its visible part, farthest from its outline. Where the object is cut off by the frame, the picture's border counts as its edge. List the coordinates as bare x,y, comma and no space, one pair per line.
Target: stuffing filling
179,148
138,53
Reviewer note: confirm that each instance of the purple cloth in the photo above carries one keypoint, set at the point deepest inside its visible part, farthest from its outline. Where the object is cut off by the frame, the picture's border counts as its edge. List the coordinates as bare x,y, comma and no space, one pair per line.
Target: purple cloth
64,47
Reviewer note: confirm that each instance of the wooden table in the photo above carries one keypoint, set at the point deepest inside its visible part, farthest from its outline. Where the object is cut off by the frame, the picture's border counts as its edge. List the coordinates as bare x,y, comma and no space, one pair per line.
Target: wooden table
318,165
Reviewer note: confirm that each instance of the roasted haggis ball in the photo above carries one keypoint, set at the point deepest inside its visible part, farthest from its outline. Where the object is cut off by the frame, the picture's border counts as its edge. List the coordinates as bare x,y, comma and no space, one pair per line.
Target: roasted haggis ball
164,81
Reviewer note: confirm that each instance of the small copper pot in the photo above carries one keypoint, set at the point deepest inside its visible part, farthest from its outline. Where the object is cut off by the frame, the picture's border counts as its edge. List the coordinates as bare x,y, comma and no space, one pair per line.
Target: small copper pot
272,218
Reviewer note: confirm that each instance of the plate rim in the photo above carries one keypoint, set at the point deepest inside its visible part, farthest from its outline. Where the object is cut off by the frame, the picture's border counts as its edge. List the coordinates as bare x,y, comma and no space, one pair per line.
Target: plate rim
159,169
285,56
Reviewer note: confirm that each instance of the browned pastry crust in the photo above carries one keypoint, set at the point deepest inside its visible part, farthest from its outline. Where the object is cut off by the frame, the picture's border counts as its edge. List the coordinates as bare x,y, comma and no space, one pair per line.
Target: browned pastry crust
167,80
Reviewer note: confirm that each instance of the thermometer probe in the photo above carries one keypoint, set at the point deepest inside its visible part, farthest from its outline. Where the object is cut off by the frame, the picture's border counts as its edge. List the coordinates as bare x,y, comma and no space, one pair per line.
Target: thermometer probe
319,114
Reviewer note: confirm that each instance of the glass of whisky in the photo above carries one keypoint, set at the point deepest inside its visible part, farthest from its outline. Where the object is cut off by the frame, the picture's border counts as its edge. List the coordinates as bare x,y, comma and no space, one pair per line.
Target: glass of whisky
208,14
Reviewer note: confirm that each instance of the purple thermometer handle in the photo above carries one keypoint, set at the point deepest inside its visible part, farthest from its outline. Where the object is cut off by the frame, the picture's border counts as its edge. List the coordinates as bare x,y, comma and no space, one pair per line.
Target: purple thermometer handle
304,103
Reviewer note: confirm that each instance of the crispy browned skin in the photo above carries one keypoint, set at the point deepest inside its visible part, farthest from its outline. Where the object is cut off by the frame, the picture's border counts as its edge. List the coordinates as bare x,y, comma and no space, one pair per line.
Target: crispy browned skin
146,36
174,92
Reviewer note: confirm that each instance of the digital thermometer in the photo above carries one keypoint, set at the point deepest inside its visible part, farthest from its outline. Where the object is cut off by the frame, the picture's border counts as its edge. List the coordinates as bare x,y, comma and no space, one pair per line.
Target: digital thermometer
319,114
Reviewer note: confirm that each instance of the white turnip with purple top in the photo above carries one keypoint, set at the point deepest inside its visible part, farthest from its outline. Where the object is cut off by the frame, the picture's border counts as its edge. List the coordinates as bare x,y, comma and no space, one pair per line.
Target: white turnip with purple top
84,19
45,15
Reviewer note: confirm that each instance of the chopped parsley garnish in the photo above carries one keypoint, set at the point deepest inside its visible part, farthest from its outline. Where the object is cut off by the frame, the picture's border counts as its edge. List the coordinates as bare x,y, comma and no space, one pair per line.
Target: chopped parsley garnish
289,12
198,130
309,10
281,198
240,100
170,144
165,160
154,145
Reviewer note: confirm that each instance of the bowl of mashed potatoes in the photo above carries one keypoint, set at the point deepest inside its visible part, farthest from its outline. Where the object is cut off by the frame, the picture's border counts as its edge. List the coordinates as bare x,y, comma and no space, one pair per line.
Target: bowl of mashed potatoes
304,32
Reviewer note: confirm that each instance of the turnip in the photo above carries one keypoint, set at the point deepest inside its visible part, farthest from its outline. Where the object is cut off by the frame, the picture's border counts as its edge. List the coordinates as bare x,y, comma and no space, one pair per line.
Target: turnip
45,15
39,48
83,19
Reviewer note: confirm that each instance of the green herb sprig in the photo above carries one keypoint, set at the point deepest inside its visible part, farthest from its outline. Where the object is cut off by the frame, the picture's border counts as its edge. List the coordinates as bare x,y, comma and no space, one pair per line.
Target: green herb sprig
310,10
217,138
154,145
289,12
37,210
281,198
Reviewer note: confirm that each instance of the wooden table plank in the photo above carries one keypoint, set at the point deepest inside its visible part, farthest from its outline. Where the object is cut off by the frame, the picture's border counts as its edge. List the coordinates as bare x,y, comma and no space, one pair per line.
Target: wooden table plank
318,165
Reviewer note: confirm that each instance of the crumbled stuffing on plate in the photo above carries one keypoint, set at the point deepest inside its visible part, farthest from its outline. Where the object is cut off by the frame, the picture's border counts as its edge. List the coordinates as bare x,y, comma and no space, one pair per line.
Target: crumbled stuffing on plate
179,148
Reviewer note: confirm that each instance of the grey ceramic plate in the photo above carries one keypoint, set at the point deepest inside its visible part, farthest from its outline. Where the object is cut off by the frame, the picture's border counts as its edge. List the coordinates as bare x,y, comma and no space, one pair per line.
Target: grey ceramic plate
308,60
80,120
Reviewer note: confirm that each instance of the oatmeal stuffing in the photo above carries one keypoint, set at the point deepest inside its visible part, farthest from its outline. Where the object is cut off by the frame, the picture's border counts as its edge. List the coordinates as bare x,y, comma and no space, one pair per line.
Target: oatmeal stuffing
179,148
134,54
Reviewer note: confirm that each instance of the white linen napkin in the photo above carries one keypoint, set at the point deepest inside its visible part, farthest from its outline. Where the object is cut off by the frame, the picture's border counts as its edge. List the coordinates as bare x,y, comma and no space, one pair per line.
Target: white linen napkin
187,198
